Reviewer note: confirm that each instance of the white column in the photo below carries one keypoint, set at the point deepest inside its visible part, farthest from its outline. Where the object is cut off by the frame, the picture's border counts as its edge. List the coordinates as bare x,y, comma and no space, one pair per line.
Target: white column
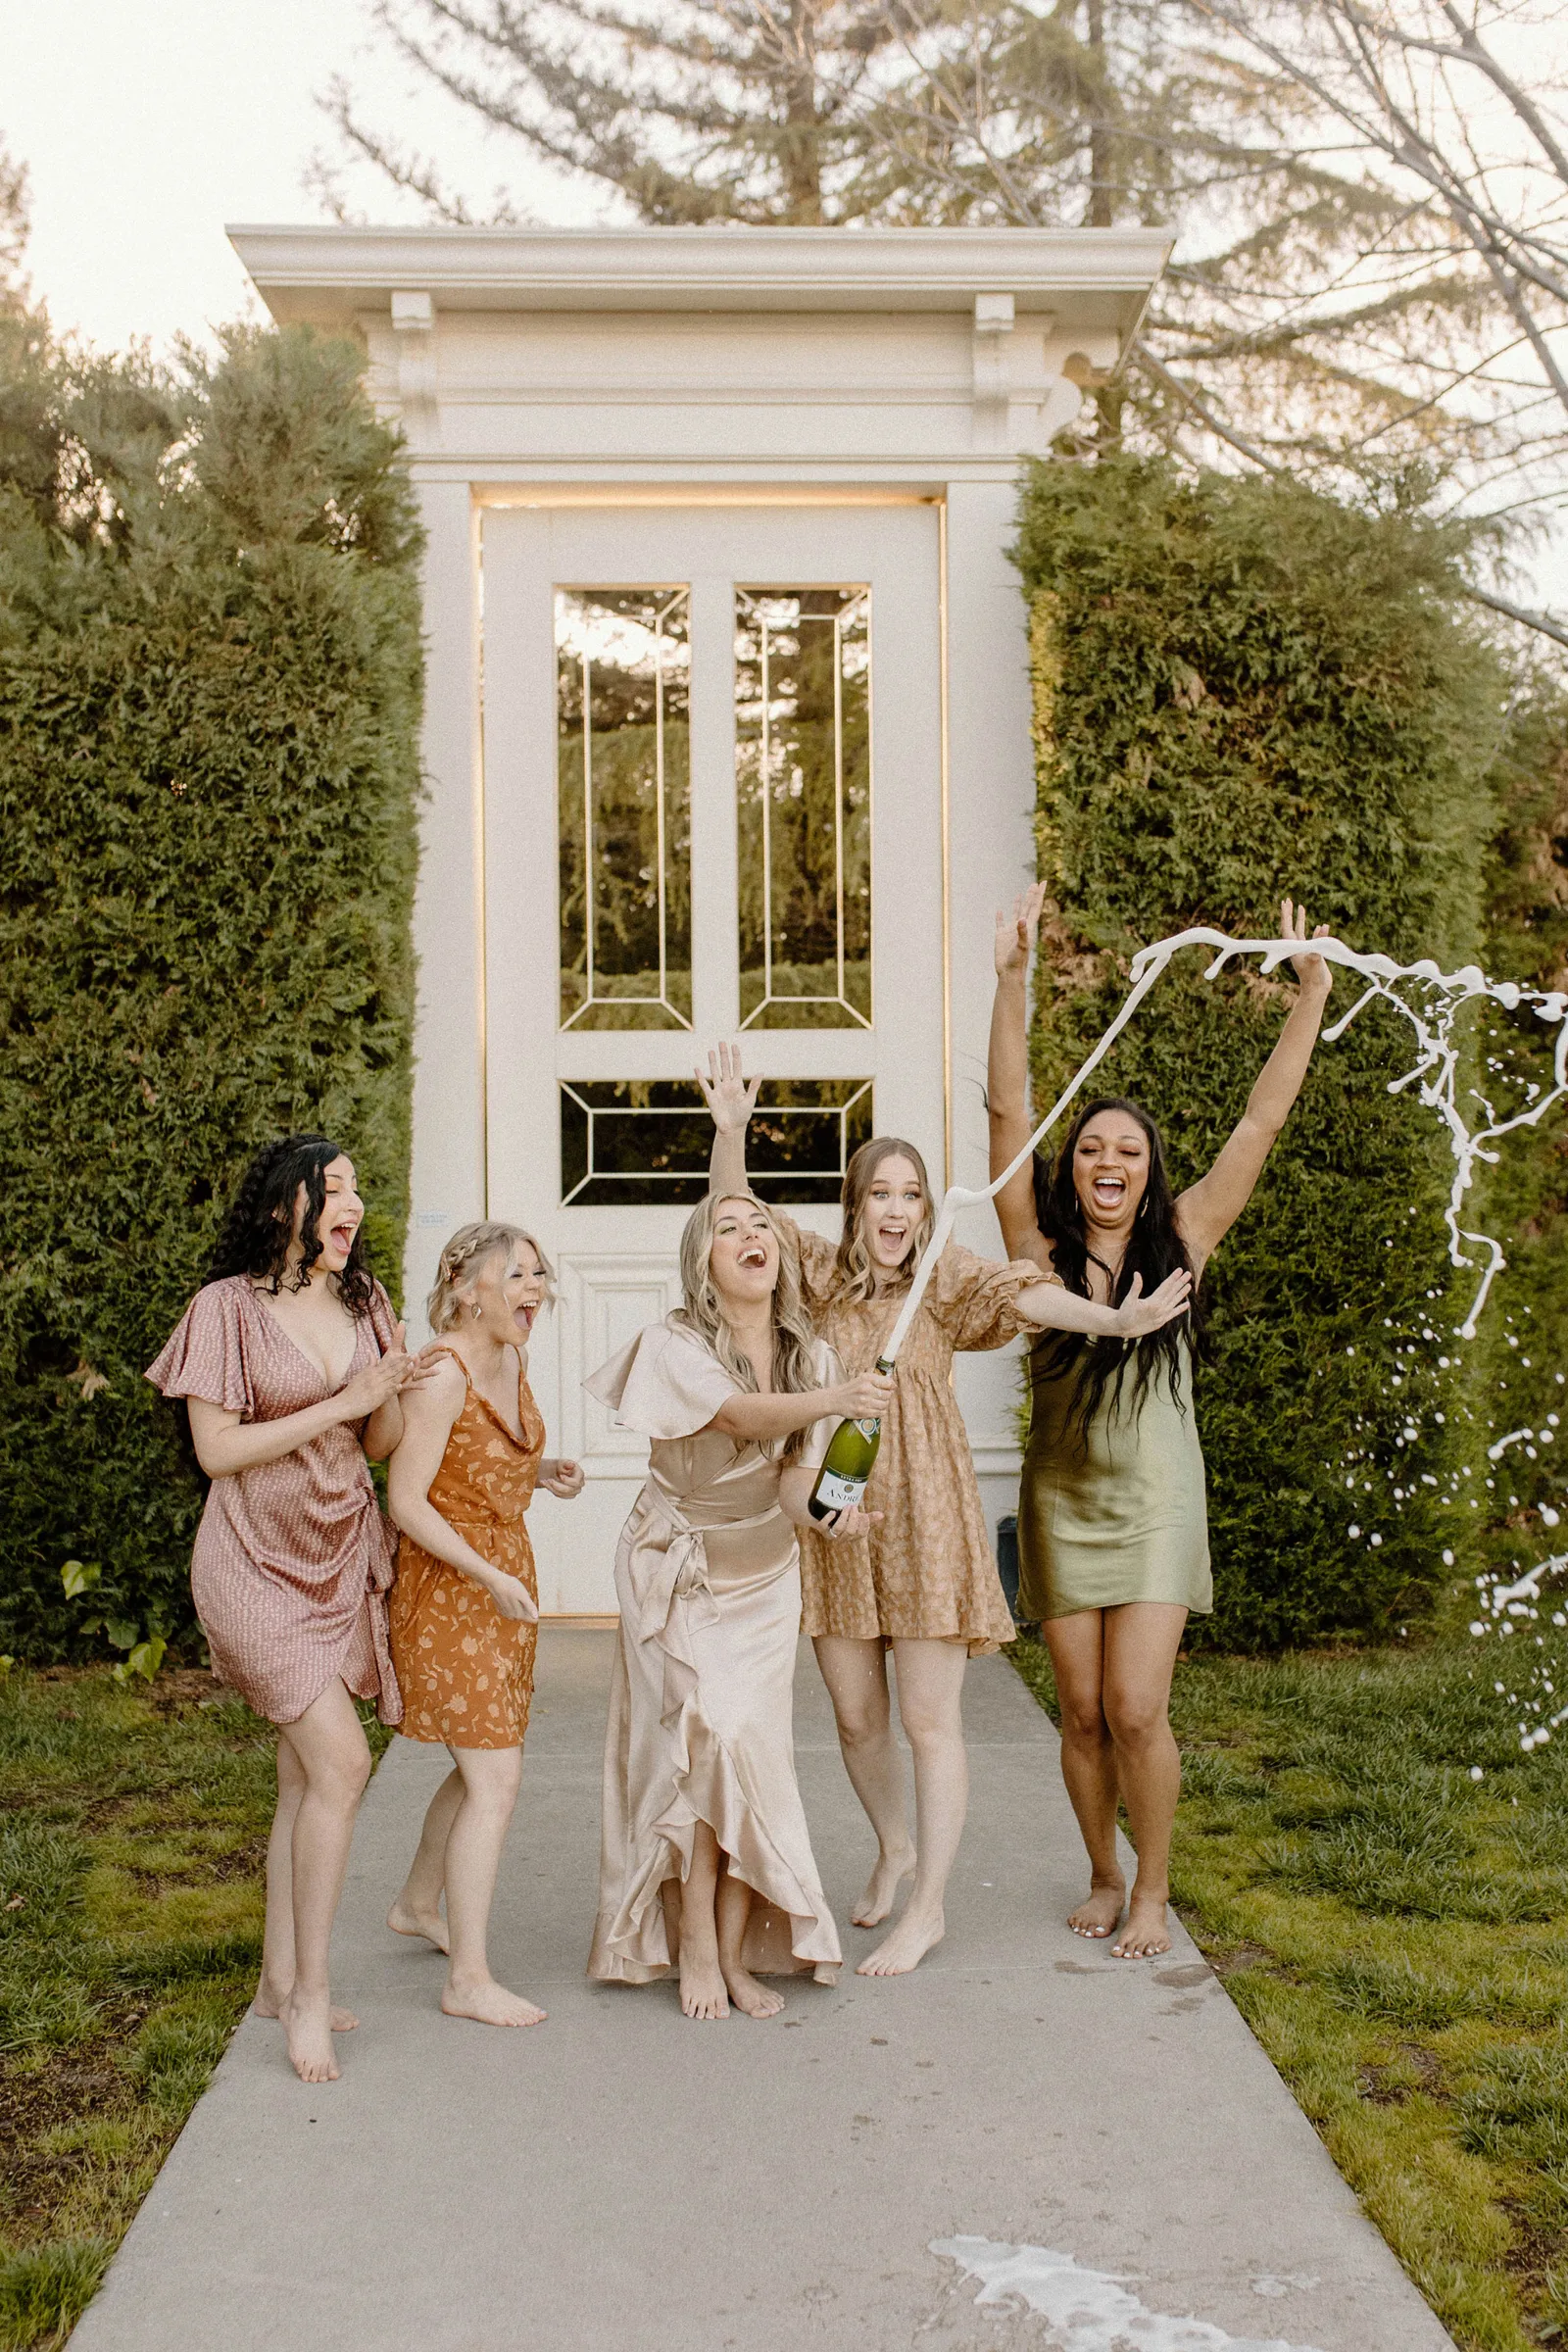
991,794
449,1186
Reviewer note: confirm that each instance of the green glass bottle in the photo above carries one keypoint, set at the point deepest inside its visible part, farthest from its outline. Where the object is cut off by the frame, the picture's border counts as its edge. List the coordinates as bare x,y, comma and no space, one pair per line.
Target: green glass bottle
847,1464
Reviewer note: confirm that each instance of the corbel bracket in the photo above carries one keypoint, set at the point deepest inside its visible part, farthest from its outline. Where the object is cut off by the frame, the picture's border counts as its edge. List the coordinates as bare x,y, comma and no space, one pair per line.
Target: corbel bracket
419,391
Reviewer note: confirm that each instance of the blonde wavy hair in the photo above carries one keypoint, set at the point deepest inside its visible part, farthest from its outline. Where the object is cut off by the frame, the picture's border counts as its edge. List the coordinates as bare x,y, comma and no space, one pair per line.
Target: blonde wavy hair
854,1273
464,1259
794,1340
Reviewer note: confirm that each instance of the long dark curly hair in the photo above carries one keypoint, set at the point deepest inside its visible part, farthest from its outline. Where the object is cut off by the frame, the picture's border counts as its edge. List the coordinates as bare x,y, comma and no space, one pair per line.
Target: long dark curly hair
1154,1249
260,1224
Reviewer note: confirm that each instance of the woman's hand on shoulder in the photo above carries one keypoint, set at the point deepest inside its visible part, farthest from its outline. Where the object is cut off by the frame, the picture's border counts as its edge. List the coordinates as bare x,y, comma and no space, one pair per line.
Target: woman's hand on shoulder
431,1401
389,1376
559,1477
1137,1315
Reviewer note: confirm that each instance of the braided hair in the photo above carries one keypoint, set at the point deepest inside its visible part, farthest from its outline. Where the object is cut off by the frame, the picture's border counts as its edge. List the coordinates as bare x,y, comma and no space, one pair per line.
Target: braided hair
260,1224
463,1262
1154,1249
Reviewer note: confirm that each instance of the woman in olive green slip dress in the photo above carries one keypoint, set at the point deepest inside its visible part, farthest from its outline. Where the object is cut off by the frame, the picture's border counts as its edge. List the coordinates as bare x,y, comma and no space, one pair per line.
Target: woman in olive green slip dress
1112,1521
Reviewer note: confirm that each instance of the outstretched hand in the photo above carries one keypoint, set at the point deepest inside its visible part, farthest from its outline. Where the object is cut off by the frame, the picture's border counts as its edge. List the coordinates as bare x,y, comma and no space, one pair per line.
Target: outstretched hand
730,1098
1315,974
1137,1315
1017,932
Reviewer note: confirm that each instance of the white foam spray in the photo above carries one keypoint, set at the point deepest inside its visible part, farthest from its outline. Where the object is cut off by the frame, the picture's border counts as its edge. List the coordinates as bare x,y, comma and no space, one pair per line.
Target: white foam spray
1429,999
1090,2310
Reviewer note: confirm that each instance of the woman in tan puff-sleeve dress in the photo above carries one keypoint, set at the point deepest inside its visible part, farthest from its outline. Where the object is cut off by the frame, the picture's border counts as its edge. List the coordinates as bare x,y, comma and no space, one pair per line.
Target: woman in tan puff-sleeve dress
923,1583
466,1606
290,1364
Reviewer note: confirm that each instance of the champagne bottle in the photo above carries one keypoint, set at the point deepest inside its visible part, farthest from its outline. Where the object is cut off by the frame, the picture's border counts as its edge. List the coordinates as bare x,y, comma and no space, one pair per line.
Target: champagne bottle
847,1464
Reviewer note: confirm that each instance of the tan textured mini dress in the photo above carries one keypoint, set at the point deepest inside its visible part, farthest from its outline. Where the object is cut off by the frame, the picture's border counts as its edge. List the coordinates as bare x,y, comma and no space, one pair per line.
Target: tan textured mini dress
292,1557
927,1573
466,1671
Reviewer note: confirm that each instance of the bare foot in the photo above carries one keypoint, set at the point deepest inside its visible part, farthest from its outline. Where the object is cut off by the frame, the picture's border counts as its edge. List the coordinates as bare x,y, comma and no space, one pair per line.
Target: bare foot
905,1948
1098,1917
882,1887
1146,1932
701,1985
308,2025
269,2003
490,2004
748,1995
404,1920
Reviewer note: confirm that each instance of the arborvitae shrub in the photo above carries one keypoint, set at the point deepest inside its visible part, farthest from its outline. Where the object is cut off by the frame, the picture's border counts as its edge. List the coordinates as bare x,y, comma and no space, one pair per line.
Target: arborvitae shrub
209,678
1521,1351
1245,691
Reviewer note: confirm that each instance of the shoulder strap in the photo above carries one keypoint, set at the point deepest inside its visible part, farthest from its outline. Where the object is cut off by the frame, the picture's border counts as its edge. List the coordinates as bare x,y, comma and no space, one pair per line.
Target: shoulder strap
440,1347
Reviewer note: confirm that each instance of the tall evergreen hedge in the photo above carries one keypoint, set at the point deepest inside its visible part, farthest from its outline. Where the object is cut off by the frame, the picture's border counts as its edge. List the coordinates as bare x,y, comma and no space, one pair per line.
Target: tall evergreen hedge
1245,691
210,680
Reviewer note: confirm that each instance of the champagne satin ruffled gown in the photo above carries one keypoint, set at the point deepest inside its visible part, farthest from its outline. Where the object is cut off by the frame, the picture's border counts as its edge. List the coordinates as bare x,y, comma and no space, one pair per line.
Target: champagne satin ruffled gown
702,1711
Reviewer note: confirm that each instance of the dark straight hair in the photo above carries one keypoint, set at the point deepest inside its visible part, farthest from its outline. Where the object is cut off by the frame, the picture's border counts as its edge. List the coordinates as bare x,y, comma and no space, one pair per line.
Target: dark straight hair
1154,1249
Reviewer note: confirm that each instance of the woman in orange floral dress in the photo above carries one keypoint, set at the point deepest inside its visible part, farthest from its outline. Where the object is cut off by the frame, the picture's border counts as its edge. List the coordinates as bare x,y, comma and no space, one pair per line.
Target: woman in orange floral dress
924,1583
464,1616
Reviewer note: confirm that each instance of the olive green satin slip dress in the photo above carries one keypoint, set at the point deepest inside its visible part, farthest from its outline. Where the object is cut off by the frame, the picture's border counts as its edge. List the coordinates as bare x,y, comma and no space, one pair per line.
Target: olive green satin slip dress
1116,1513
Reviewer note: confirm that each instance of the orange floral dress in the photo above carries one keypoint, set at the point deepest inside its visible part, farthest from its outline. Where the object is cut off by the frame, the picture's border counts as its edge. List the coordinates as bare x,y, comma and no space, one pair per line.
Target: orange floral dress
466,1671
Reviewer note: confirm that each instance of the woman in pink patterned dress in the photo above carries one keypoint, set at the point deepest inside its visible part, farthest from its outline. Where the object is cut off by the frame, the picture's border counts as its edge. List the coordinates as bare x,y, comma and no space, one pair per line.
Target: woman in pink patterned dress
290,1363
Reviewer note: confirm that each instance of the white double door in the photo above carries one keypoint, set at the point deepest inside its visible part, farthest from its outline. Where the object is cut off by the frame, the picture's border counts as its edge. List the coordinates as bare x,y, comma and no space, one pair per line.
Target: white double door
614,1236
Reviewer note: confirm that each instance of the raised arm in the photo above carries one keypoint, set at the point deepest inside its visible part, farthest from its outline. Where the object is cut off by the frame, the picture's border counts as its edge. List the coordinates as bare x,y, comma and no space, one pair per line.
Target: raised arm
731,1100
1008,1075
1209,1209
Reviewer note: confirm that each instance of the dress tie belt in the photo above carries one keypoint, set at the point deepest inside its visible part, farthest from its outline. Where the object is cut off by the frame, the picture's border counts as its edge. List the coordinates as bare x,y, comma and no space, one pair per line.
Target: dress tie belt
681,1570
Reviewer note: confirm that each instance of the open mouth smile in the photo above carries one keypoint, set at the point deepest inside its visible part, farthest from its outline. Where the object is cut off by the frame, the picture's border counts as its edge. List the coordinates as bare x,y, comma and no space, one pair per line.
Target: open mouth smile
753,1257
341,1236
1109,1191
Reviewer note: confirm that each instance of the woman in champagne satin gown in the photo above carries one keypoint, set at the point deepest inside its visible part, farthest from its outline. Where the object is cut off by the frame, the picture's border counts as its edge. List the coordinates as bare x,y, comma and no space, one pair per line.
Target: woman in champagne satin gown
706,1860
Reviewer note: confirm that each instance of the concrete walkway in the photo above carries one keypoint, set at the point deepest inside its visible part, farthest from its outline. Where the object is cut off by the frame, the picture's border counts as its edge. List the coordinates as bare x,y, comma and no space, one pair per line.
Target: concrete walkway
621,2180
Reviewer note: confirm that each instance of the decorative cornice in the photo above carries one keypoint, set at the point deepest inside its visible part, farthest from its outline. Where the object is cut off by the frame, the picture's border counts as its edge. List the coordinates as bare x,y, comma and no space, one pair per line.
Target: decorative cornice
336,272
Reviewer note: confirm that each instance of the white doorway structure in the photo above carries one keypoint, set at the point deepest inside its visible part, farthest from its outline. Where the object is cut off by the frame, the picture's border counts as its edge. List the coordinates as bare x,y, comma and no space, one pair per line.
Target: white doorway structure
727,723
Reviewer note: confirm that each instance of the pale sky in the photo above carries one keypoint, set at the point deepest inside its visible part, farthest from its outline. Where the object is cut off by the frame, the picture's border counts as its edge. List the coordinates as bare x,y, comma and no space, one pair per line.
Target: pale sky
145,127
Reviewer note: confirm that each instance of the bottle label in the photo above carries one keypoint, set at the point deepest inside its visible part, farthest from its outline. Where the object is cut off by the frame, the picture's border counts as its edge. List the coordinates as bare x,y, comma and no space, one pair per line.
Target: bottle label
835,1494
867,1429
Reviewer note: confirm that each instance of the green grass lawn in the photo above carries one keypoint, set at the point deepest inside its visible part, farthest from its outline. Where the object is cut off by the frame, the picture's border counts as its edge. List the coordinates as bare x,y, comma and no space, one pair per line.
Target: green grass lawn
132,1833
1395,1933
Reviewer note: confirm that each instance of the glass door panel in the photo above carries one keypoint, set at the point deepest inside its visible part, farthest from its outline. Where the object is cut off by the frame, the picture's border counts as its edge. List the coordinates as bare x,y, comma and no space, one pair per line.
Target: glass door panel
624,769
803,781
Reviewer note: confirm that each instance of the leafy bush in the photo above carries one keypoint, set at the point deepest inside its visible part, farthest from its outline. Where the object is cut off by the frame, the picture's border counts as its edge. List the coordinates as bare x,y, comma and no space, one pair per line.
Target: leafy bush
210,677
1243,691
